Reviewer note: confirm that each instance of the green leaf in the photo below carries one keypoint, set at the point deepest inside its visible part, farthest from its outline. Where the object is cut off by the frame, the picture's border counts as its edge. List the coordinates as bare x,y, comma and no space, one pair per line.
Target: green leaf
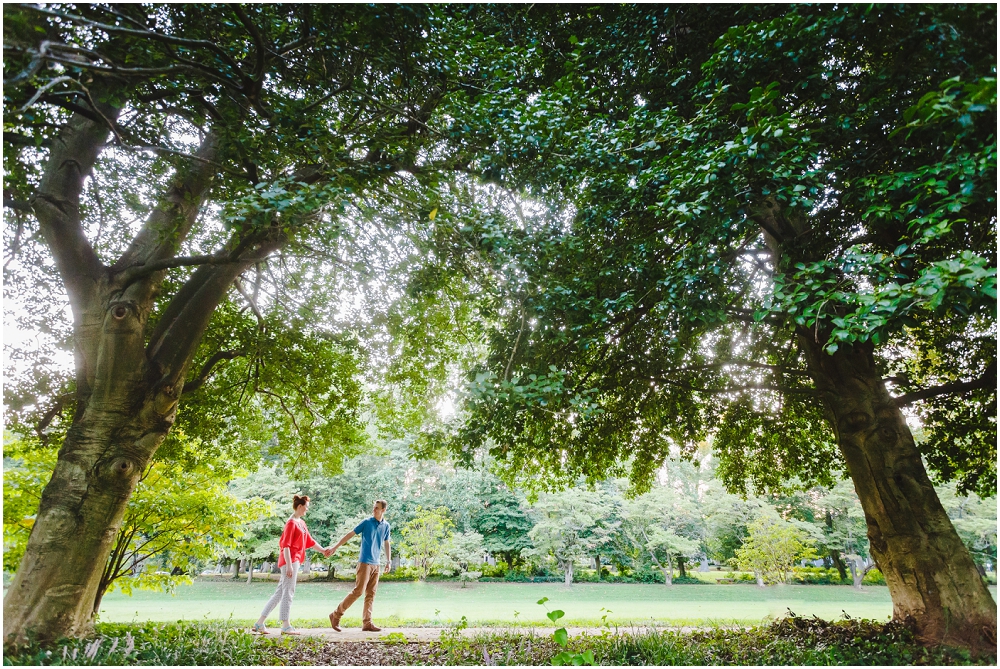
561,636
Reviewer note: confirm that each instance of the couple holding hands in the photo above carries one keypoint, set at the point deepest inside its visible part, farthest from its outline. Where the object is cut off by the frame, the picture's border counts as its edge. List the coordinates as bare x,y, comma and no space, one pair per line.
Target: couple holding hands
292,546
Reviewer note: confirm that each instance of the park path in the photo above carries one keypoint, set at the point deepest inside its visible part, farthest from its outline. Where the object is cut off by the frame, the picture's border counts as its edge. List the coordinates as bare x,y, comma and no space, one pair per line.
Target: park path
425,634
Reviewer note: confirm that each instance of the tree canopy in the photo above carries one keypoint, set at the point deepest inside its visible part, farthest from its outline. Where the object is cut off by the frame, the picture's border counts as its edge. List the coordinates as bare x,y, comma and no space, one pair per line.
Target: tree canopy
288,229
872,127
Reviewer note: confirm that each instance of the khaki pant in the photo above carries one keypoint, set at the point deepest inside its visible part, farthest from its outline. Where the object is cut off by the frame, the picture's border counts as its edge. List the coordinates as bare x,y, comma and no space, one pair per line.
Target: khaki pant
365,581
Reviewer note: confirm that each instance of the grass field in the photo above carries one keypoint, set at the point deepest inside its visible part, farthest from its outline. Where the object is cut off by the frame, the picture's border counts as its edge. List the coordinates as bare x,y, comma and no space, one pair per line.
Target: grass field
409,603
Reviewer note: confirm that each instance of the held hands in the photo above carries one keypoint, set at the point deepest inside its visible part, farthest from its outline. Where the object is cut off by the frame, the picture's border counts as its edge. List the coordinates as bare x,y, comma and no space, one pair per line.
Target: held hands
327,552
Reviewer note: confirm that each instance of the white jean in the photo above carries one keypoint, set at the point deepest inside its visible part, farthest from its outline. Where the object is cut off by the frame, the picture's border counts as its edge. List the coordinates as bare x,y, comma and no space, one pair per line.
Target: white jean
284,594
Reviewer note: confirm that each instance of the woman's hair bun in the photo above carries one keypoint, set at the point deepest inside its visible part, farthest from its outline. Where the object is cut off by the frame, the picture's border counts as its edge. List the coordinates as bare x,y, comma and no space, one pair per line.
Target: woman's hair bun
299,500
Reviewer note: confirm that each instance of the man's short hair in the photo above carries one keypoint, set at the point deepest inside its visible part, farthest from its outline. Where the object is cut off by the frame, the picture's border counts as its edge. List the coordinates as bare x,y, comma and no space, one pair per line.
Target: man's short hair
382,503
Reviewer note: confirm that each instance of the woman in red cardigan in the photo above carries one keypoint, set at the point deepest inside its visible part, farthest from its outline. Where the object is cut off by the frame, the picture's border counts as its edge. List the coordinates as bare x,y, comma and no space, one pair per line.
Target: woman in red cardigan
295,539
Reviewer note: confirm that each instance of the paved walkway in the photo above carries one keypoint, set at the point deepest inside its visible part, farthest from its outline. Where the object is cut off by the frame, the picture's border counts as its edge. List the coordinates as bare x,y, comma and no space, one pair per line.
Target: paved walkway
424,634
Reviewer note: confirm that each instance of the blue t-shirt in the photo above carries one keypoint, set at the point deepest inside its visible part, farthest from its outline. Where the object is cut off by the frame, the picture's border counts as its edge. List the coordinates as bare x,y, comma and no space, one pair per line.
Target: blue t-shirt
373,533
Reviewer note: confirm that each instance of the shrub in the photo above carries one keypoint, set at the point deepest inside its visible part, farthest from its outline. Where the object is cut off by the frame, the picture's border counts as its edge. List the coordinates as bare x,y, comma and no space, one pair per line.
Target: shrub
151,644
817,576
586,576
498,570
401,574
874,577
791,641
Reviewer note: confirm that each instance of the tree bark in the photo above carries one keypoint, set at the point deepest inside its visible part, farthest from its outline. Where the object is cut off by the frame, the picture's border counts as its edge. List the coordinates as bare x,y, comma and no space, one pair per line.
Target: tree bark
568,572
680,568
856,574
929,571
126,398
55,590
838,563
835,553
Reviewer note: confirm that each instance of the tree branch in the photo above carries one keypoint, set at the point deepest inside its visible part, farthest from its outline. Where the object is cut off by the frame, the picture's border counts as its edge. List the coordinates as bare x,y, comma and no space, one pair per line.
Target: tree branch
148,34
748,317
250,300
57,204
169,223
54,410
736,389
17,205
260,46
987,380
179,330
135,272
206,369
284,406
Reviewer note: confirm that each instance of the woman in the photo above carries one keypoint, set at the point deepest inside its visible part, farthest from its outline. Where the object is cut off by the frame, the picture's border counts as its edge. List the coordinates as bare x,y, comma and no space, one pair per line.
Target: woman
292,546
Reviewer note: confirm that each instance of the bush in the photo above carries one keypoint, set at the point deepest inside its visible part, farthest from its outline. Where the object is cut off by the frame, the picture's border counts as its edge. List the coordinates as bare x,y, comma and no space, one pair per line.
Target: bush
791,641
151,644
586,576
499,570
990,578
874,577
817,576
521,577
401,574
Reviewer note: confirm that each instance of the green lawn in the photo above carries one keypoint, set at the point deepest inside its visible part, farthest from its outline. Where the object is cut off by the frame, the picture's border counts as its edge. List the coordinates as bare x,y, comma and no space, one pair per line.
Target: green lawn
505,603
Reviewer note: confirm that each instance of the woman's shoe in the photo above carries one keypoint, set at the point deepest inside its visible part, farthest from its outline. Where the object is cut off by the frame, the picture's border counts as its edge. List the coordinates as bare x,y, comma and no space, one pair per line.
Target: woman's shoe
290,630
259,628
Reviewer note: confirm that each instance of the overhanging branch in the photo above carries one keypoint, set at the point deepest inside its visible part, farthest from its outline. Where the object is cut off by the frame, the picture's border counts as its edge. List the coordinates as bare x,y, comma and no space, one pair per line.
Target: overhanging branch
987,380
131,274
206,369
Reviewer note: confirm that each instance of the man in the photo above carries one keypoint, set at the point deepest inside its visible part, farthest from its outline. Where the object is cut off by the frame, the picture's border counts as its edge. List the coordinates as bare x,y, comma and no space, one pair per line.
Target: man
374,533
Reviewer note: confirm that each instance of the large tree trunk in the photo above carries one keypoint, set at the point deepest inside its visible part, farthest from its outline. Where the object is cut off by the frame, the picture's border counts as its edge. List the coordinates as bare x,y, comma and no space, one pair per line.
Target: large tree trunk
54,592
928,569
568,572
930,573
835,553
838,563
128,379
857,573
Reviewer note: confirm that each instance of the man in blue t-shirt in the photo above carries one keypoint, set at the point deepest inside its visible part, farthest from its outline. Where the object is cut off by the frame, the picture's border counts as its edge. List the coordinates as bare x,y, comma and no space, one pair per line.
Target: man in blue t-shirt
374,533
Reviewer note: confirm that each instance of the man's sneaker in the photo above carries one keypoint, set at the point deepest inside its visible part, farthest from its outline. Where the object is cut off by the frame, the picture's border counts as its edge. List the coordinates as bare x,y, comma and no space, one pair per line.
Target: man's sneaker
371,628
335,621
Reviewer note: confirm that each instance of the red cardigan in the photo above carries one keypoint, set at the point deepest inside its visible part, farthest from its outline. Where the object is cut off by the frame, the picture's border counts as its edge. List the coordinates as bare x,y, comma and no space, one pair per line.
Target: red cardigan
296,538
